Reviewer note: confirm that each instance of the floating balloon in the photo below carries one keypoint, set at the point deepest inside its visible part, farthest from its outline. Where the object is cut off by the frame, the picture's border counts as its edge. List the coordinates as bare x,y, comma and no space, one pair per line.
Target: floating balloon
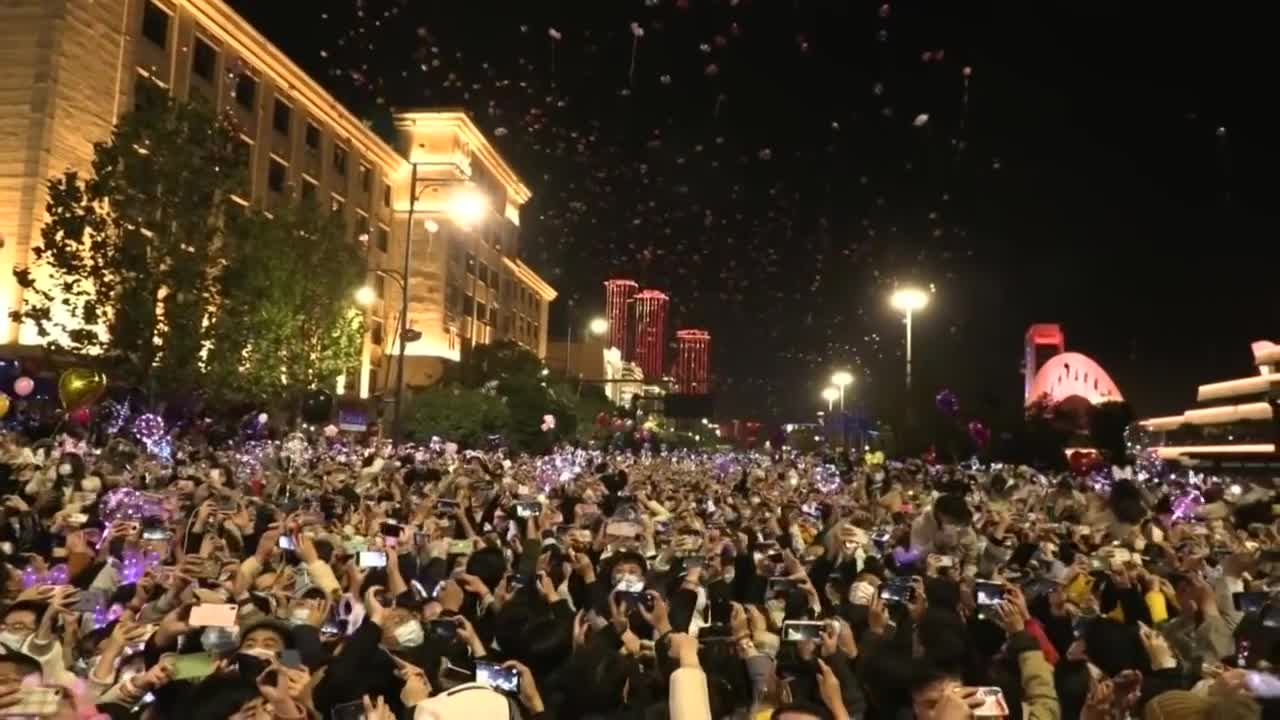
979,433
262,418
1082,462
330,431
80,416
79,387
549,421
947,402
317,407
148,428
4,405
23,386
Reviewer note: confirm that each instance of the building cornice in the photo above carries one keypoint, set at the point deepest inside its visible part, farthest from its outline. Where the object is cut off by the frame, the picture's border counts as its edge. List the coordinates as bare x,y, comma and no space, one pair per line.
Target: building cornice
461,123
217,18
530,278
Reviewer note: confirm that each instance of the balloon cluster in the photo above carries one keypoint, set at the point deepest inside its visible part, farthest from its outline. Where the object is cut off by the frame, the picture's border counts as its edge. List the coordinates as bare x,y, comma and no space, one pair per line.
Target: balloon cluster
129,505
947,402
56,575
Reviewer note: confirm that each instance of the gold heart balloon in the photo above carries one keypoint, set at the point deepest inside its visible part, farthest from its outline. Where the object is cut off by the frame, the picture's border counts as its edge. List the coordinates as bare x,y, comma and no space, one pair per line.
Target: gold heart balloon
4,405
79,387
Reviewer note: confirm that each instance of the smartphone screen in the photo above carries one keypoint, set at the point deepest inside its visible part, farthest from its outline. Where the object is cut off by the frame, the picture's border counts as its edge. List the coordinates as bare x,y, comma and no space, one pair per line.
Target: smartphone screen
348,711
390,529
1247,602
372,559
193,666
528,509
291,659
286,543
989,593
502,679
796,630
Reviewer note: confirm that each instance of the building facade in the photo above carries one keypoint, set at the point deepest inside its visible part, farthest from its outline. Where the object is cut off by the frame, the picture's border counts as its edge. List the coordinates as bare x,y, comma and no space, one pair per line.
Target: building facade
617,297
70,69
692,369
651,332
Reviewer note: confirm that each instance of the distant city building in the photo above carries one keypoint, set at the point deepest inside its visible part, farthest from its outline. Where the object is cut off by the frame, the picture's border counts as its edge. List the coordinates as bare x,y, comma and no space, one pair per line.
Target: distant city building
1052,373
617,295
692,370
651,333
73,69
624,380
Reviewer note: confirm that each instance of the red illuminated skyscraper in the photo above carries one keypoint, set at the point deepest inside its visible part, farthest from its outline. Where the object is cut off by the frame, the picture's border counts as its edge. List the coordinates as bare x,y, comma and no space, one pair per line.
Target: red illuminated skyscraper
617,293
651,331
693,362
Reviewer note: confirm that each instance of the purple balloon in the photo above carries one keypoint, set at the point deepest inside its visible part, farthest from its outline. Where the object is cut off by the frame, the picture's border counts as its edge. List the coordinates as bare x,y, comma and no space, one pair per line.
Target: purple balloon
948,402
979,433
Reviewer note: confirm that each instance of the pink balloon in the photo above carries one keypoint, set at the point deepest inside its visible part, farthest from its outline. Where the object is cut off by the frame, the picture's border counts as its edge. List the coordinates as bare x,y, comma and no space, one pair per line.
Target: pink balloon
23,386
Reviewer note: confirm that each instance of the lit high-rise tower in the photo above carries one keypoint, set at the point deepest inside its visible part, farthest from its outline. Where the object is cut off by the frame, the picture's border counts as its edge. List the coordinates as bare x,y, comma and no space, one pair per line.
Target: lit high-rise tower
651,332
617,293
693,362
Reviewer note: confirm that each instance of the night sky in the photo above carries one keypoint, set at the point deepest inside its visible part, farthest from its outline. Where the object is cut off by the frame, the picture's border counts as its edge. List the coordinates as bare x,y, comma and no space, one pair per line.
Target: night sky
778,165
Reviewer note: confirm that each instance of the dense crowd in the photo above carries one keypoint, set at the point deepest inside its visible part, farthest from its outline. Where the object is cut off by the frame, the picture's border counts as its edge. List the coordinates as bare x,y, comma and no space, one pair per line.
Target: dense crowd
310,582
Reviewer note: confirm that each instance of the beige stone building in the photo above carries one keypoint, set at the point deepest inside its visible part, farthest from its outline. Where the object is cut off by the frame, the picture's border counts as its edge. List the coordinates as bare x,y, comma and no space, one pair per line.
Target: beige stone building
70,68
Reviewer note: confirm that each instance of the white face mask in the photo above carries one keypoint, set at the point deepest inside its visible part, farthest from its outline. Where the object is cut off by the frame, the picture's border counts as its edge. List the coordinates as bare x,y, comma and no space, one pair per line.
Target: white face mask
64,469
300,616
14,640
409,634
260,653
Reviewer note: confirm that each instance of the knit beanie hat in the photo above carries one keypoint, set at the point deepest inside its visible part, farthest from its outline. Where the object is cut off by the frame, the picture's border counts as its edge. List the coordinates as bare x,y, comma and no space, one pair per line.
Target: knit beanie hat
1186,705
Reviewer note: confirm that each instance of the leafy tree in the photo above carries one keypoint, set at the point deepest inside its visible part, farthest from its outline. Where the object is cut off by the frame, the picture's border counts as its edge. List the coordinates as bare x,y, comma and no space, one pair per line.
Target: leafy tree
285,321
502,360
1107,423
130,255
464,415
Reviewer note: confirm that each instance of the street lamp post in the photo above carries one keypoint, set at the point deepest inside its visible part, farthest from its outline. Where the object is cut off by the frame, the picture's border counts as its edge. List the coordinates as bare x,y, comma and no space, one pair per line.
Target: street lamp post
908,300
842,379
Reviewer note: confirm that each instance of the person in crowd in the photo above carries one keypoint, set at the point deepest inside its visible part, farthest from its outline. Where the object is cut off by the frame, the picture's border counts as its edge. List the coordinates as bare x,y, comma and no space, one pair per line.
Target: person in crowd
325,579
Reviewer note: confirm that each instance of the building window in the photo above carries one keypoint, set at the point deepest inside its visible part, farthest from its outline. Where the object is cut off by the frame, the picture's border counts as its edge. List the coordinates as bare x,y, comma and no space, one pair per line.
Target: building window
147,94
386,195
310,190
204,60
336,204
312,136
468,305
366,178
384,238
340,160
246,90
362,228
493,316
375,331
276,173
155,24
281,116
471,263
482,312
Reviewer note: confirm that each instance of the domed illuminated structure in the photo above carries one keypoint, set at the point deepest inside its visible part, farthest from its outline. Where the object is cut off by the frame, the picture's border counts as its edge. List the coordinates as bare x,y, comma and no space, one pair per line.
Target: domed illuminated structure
1062,377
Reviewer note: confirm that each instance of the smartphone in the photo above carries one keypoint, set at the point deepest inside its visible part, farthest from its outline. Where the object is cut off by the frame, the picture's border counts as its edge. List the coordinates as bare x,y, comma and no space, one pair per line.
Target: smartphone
1247,602
1271,616
153,528
993,703
989,593
946,561
528,509
348,711
372,559
461,547
77,519
213,615
38,701
781,586
391,529
897,590
497,677
291,659
92,600
622,528
721,612
193,666
228,505
286,543
796,630
446,507
445,630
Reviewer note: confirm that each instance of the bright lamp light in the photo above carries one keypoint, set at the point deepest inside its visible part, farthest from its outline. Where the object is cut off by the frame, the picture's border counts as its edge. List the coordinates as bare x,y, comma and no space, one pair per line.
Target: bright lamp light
909,299
598,326
366,295
830,394
468,206
842,378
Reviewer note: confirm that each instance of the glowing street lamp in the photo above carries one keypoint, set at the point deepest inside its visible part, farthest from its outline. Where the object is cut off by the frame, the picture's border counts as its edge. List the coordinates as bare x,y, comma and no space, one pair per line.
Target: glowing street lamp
908,300
830,394
366,295
598,326
468,206
842,379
